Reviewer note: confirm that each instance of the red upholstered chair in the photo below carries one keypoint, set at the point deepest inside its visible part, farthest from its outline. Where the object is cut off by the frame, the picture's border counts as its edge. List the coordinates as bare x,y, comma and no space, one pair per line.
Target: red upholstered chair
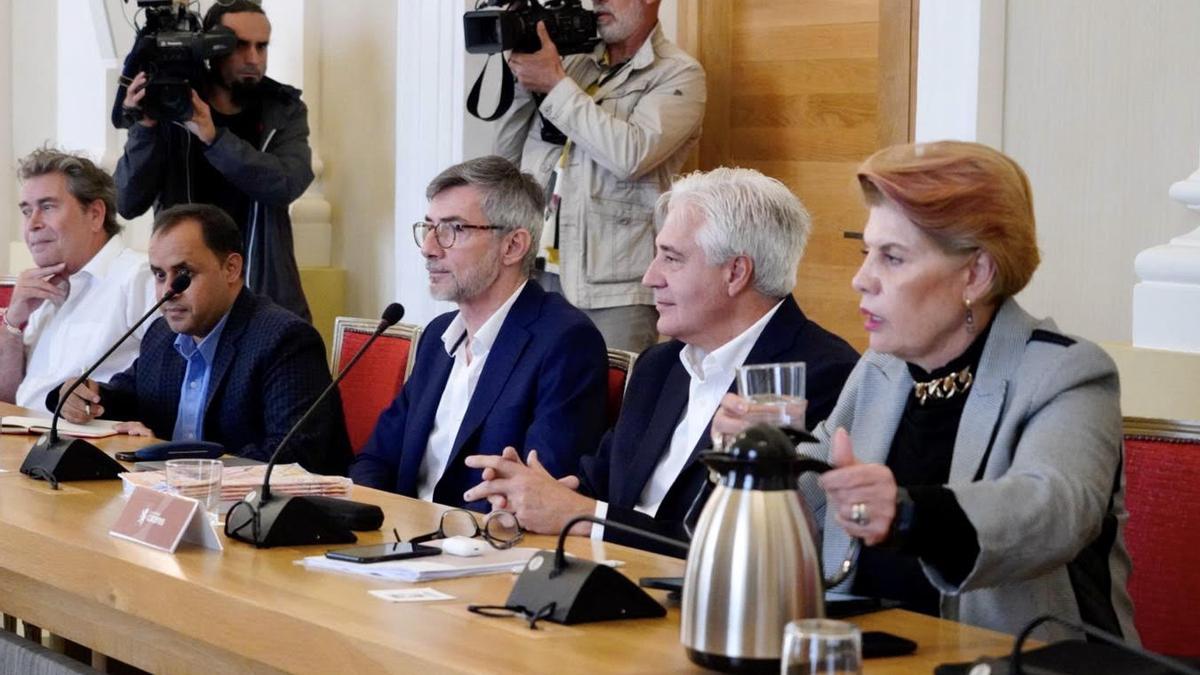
1162,484
620,362
6,291
380,373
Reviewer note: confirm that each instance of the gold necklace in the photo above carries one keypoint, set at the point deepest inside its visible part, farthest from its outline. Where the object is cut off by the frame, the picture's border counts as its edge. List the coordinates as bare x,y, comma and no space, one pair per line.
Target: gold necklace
944,387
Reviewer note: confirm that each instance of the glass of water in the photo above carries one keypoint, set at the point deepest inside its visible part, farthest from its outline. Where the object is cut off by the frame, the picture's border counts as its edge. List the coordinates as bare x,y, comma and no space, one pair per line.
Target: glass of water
776,391
199,479
821,647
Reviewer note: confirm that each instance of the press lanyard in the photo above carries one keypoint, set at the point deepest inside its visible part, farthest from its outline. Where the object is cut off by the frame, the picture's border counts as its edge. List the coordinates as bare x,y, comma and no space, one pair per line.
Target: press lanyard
550,215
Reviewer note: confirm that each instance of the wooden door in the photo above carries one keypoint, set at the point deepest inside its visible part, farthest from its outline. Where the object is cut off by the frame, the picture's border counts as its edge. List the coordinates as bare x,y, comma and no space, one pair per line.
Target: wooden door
804,90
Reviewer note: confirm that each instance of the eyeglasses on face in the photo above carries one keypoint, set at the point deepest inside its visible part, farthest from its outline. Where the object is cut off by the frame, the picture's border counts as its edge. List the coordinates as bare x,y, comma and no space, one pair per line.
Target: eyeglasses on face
445,232
500,528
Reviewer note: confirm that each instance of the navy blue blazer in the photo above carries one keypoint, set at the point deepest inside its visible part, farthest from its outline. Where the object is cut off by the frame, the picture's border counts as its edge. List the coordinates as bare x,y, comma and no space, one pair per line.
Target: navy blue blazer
655,402
268,369
543,387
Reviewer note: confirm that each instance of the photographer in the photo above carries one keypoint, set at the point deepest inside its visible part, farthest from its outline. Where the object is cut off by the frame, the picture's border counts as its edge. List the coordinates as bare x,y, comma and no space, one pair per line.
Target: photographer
611,128
244,149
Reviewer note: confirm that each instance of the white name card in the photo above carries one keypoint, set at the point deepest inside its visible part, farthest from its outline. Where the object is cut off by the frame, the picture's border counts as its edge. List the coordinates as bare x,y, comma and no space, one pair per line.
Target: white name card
161,520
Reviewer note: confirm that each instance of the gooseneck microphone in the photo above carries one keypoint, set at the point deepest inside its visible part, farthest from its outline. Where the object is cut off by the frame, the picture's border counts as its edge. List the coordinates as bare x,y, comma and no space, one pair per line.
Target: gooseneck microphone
70,459
1102,648
267,520
560,554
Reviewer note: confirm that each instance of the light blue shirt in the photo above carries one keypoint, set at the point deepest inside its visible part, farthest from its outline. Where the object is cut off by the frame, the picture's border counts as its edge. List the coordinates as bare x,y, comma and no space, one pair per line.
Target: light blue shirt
189,423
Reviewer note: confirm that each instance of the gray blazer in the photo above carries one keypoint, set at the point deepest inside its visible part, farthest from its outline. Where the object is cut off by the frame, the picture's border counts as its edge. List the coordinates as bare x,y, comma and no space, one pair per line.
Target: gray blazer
1036,469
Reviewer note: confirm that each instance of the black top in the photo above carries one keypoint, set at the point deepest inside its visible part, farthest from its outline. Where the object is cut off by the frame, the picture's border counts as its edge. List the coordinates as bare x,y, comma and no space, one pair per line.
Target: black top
939,533
212,186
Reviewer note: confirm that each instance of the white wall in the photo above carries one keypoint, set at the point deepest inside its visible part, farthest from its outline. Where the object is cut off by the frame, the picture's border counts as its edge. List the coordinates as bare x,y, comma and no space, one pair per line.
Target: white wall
358,45
8,200
960,71
1096,99
82,119
1102,109
33,31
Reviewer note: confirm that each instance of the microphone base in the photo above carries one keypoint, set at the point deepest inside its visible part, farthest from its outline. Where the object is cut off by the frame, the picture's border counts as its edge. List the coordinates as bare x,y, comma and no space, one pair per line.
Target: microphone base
69,459
581,592
285,521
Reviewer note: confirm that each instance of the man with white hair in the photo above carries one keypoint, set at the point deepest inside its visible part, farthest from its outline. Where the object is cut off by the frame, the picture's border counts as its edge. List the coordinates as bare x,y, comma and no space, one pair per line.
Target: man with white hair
722,279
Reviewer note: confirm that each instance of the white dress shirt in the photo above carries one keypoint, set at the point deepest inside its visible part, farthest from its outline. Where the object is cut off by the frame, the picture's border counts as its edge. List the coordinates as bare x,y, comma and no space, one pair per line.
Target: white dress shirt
112,291
710,378
460,387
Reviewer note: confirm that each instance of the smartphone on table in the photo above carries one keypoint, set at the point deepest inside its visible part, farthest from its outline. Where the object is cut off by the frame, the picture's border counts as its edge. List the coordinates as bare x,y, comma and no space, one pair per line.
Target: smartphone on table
396,550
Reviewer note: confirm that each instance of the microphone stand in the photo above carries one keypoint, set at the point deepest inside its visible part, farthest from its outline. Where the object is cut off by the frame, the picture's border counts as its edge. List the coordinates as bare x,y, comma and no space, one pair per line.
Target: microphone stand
297,521
560,554
58,459
1163,661
580,591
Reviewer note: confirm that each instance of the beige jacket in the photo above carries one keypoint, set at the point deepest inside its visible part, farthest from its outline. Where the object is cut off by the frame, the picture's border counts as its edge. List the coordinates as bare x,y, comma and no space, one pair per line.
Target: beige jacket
629,140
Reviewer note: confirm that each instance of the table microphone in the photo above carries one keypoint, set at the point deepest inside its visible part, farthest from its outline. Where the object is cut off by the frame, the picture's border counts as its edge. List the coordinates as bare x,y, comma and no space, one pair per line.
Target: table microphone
579,591
67,459
267,520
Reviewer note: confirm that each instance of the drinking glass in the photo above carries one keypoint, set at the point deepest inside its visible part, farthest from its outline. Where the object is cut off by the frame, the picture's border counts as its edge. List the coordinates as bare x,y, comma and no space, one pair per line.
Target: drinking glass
199,479
821,647
778,391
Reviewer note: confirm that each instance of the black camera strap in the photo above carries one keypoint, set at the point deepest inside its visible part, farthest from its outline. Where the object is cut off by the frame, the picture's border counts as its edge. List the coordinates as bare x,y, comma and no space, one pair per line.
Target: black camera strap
506,91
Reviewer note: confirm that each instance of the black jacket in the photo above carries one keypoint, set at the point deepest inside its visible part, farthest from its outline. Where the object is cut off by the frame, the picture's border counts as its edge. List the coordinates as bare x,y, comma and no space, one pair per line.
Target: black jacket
268,369
654,404
155,171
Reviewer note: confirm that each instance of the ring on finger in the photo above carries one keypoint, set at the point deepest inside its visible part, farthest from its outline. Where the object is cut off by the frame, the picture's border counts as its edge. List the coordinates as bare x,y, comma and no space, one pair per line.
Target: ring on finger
859,515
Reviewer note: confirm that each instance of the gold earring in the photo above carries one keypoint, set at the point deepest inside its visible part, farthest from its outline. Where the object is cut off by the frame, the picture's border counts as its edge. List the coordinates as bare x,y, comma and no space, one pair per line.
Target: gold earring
970,316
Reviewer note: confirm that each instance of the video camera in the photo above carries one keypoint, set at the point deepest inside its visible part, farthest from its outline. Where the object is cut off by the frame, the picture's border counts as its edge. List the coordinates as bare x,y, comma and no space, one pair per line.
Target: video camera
512,24
171,48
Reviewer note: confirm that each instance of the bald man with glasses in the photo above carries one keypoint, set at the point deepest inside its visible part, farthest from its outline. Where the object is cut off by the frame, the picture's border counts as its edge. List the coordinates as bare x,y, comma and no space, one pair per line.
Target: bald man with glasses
513,366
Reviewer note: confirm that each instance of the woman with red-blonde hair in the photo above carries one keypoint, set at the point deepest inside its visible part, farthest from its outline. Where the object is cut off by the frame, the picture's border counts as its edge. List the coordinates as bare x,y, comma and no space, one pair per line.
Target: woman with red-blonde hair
977,450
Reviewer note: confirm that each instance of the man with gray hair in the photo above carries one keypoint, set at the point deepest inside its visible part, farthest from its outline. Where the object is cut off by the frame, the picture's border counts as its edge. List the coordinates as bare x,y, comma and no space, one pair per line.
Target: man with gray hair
86,288
514,366
722,278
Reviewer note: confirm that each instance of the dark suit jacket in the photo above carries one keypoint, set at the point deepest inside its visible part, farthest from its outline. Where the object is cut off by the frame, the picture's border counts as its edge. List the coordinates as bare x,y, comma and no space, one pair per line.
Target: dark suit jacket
543,387
268,369
654,405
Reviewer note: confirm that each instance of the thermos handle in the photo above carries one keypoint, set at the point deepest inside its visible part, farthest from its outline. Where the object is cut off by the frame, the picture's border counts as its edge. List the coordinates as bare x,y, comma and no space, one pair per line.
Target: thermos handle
809,464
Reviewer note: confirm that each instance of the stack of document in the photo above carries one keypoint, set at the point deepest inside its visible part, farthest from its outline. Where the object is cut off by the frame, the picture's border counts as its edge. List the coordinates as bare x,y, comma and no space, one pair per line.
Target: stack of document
239,481
429,568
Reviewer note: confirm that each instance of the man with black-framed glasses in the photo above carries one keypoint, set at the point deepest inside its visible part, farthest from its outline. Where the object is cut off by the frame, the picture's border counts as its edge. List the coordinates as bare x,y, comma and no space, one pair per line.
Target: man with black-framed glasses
514,366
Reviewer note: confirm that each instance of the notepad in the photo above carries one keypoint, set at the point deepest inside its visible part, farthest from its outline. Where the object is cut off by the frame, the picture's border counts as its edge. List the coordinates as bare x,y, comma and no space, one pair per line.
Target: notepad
41,425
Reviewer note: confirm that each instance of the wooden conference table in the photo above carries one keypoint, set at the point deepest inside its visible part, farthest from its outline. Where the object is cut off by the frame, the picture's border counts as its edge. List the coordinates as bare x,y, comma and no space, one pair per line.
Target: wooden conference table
248,610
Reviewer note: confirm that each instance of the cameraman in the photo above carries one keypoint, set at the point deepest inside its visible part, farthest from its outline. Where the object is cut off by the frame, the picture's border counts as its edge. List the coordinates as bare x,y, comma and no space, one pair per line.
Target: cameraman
245,149
611,129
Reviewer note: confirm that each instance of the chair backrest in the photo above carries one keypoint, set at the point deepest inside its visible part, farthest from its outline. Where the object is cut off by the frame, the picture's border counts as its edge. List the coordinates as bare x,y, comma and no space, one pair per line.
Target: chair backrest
620,362
1162,494
379,375
6,291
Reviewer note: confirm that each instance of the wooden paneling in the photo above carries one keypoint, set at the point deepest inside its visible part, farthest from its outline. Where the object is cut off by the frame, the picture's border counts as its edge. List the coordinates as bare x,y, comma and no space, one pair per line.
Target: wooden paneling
898,75
804,90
